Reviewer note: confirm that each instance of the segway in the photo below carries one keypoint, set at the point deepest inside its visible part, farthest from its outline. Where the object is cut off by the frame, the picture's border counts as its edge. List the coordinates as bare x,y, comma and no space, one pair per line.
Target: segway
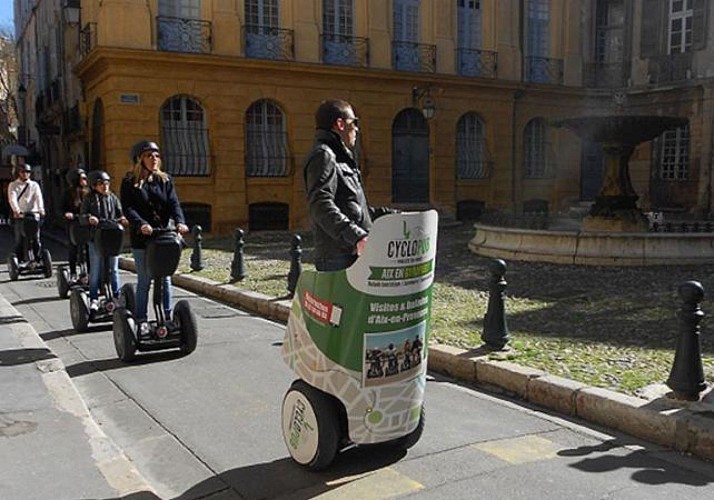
163,252
78,237
347,332
28,263
108,238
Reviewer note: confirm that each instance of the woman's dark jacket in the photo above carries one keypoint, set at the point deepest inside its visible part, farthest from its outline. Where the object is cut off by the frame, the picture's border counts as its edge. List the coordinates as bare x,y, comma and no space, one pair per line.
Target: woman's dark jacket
337,203
102,207
155,203
72,201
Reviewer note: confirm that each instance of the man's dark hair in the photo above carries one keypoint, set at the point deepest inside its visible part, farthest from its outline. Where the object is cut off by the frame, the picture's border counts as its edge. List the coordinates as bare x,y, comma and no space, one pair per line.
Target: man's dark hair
329,111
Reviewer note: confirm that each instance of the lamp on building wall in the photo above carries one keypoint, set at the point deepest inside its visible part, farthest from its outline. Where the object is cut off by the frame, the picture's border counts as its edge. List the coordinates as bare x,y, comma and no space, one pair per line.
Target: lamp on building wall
71,11
421,97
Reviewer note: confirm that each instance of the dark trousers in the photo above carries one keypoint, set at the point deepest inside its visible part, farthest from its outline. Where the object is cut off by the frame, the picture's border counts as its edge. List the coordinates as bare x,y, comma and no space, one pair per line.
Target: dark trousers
19,250
335,262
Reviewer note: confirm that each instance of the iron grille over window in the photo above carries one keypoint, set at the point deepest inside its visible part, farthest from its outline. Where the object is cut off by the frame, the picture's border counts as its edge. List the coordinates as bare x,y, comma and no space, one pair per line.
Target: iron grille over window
267,153
535,144
473,62
264,42
87,39
675,154
544,70
410,56
184,137
345,50
471,160
177,34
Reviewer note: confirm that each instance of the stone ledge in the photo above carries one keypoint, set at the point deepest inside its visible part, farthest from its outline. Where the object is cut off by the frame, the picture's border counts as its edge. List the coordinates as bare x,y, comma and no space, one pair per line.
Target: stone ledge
555,392
506,375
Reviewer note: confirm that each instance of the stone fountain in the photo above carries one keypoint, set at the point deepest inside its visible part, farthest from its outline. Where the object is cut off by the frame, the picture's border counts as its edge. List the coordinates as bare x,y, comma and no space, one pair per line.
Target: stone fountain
615,230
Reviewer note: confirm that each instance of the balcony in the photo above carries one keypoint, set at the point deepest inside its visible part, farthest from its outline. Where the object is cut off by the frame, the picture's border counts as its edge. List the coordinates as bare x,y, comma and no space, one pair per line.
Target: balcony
265,42
670,68
87,39
344,50
544,70
606,75
473,62
175,34
412,56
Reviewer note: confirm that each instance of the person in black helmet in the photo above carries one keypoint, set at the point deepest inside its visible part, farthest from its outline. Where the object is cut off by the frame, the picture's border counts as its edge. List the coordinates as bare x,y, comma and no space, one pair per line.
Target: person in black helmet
71,204
101,204
150,201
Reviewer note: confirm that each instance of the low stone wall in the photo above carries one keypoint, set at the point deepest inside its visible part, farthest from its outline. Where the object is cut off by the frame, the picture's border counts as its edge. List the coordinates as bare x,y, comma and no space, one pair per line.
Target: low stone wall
593,248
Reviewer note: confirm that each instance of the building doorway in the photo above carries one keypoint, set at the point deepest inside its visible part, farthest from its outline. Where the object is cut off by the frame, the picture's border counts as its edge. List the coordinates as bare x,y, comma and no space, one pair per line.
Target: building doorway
410,157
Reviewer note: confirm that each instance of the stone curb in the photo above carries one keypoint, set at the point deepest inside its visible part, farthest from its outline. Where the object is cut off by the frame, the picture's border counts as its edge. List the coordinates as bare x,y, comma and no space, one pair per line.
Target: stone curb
686,427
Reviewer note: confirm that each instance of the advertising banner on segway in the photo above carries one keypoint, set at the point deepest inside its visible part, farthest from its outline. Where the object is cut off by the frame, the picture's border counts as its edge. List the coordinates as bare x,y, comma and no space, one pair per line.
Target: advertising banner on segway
361,334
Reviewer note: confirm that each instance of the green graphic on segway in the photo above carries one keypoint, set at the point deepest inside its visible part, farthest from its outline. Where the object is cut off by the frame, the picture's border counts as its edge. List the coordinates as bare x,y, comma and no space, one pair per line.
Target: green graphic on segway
357,340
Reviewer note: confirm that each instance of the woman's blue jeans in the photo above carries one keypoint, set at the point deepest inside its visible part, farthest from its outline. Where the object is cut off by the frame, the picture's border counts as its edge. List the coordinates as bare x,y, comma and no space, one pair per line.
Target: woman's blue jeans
96,270
144,283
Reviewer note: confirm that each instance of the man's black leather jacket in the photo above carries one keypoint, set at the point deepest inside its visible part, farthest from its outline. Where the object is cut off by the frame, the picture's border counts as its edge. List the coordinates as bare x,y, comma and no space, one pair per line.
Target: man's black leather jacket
337,204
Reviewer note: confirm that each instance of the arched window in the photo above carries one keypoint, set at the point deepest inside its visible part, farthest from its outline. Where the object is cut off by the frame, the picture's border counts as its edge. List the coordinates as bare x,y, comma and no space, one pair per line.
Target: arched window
535,146
674,154
97,159
471,160
184,137
267,153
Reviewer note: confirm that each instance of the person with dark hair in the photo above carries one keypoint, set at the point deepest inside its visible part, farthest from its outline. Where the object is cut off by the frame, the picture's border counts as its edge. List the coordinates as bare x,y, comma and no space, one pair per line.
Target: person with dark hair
101,204
71,204
150,201
337,205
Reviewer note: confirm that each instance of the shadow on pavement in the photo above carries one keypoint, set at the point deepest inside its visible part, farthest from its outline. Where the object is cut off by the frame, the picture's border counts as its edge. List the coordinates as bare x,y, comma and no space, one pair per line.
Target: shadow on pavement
102,365
36,300
17,318
12,357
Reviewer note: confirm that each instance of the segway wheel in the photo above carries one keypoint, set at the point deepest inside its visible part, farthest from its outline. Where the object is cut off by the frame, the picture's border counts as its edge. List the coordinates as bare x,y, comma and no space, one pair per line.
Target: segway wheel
13,267
186,322
47,263
406,442
79,310
123,329
310,422
128,297
63,282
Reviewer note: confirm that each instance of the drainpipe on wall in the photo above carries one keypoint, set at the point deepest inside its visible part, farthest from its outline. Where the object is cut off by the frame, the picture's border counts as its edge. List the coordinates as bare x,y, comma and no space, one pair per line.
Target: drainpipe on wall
514,169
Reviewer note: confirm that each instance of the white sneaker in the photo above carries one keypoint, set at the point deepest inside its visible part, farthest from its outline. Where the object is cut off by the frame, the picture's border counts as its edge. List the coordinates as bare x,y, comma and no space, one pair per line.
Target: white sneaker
144,330
94,305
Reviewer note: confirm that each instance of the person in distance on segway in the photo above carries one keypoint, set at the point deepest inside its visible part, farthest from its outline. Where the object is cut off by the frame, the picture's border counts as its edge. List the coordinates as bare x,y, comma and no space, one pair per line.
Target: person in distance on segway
150,202
101,204
25,197
72,204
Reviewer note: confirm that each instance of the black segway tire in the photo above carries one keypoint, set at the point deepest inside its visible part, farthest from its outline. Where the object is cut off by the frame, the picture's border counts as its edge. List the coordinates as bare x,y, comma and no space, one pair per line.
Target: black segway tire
128,297
185,320
406,442
310,422
47,263
62,282
13,267
123,328
79,310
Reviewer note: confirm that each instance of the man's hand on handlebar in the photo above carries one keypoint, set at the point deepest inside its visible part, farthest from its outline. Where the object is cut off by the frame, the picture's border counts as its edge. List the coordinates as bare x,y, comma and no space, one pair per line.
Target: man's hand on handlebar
123,221
93,221
146,229
182,228
361,244
69,215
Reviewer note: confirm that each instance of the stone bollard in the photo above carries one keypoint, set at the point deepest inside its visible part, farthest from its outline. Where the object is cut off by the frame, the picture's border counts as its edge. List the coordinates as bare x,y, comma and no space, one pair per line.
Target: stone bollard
687,376
197,253
495,331
295,263
237,265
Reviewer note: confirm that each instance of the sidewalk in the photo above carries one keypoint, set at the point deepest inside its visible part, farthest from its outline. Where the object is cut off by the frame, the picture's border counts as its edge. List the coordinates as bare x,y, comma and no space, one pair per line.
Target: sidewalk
49,444
684,426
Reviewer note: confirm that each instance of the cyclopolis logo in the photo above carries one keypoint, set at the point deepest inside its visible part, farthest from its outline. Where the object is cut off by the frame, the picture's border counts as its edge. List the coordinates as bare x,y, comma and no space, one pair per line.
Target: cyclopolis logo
412,244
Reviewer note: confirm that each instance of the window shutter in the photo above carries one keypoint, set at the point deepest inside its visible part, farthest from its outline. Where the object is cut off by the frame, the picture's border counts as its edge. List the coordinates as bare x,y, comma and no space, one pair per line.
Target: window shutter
652,29
699,24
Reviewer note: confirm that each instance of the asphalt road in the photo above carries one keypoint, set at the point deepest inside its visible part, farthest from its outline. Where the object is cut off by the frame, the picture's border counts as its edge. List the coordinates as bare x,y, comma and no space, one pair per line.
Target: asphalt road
208,425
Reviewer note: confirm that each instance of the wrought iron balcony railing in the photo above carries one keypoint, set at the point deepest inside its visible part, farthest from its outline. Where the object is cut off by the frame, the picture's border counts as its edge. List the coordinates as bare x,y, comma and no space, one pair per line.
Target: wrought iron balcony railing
87,39
344,50
670,68
544,70
412,56
265,42
606,75
474,62
176,34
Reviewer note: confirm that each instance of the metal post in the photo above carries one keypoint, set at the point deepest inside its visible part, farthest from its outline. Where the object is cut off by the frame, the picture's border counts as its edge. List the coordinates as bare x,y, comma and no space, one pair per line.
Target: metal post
197,253
295,263
687,376
237,266
495,331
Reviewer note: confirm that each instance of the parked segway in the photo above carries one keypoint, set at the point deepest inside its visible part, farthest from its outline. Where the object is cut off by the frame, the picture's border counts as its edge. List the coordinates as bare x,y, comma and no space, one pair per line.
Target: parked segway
78,236
357,339
163,252
108,238
28,263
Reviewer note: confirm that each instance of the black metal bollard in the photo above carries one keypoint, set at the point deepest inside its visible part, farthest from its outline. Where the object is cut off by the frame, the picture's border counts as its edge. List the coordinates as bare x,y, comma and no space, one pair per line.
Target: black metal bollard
295,263
687,376
238,266
197,253
495,331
